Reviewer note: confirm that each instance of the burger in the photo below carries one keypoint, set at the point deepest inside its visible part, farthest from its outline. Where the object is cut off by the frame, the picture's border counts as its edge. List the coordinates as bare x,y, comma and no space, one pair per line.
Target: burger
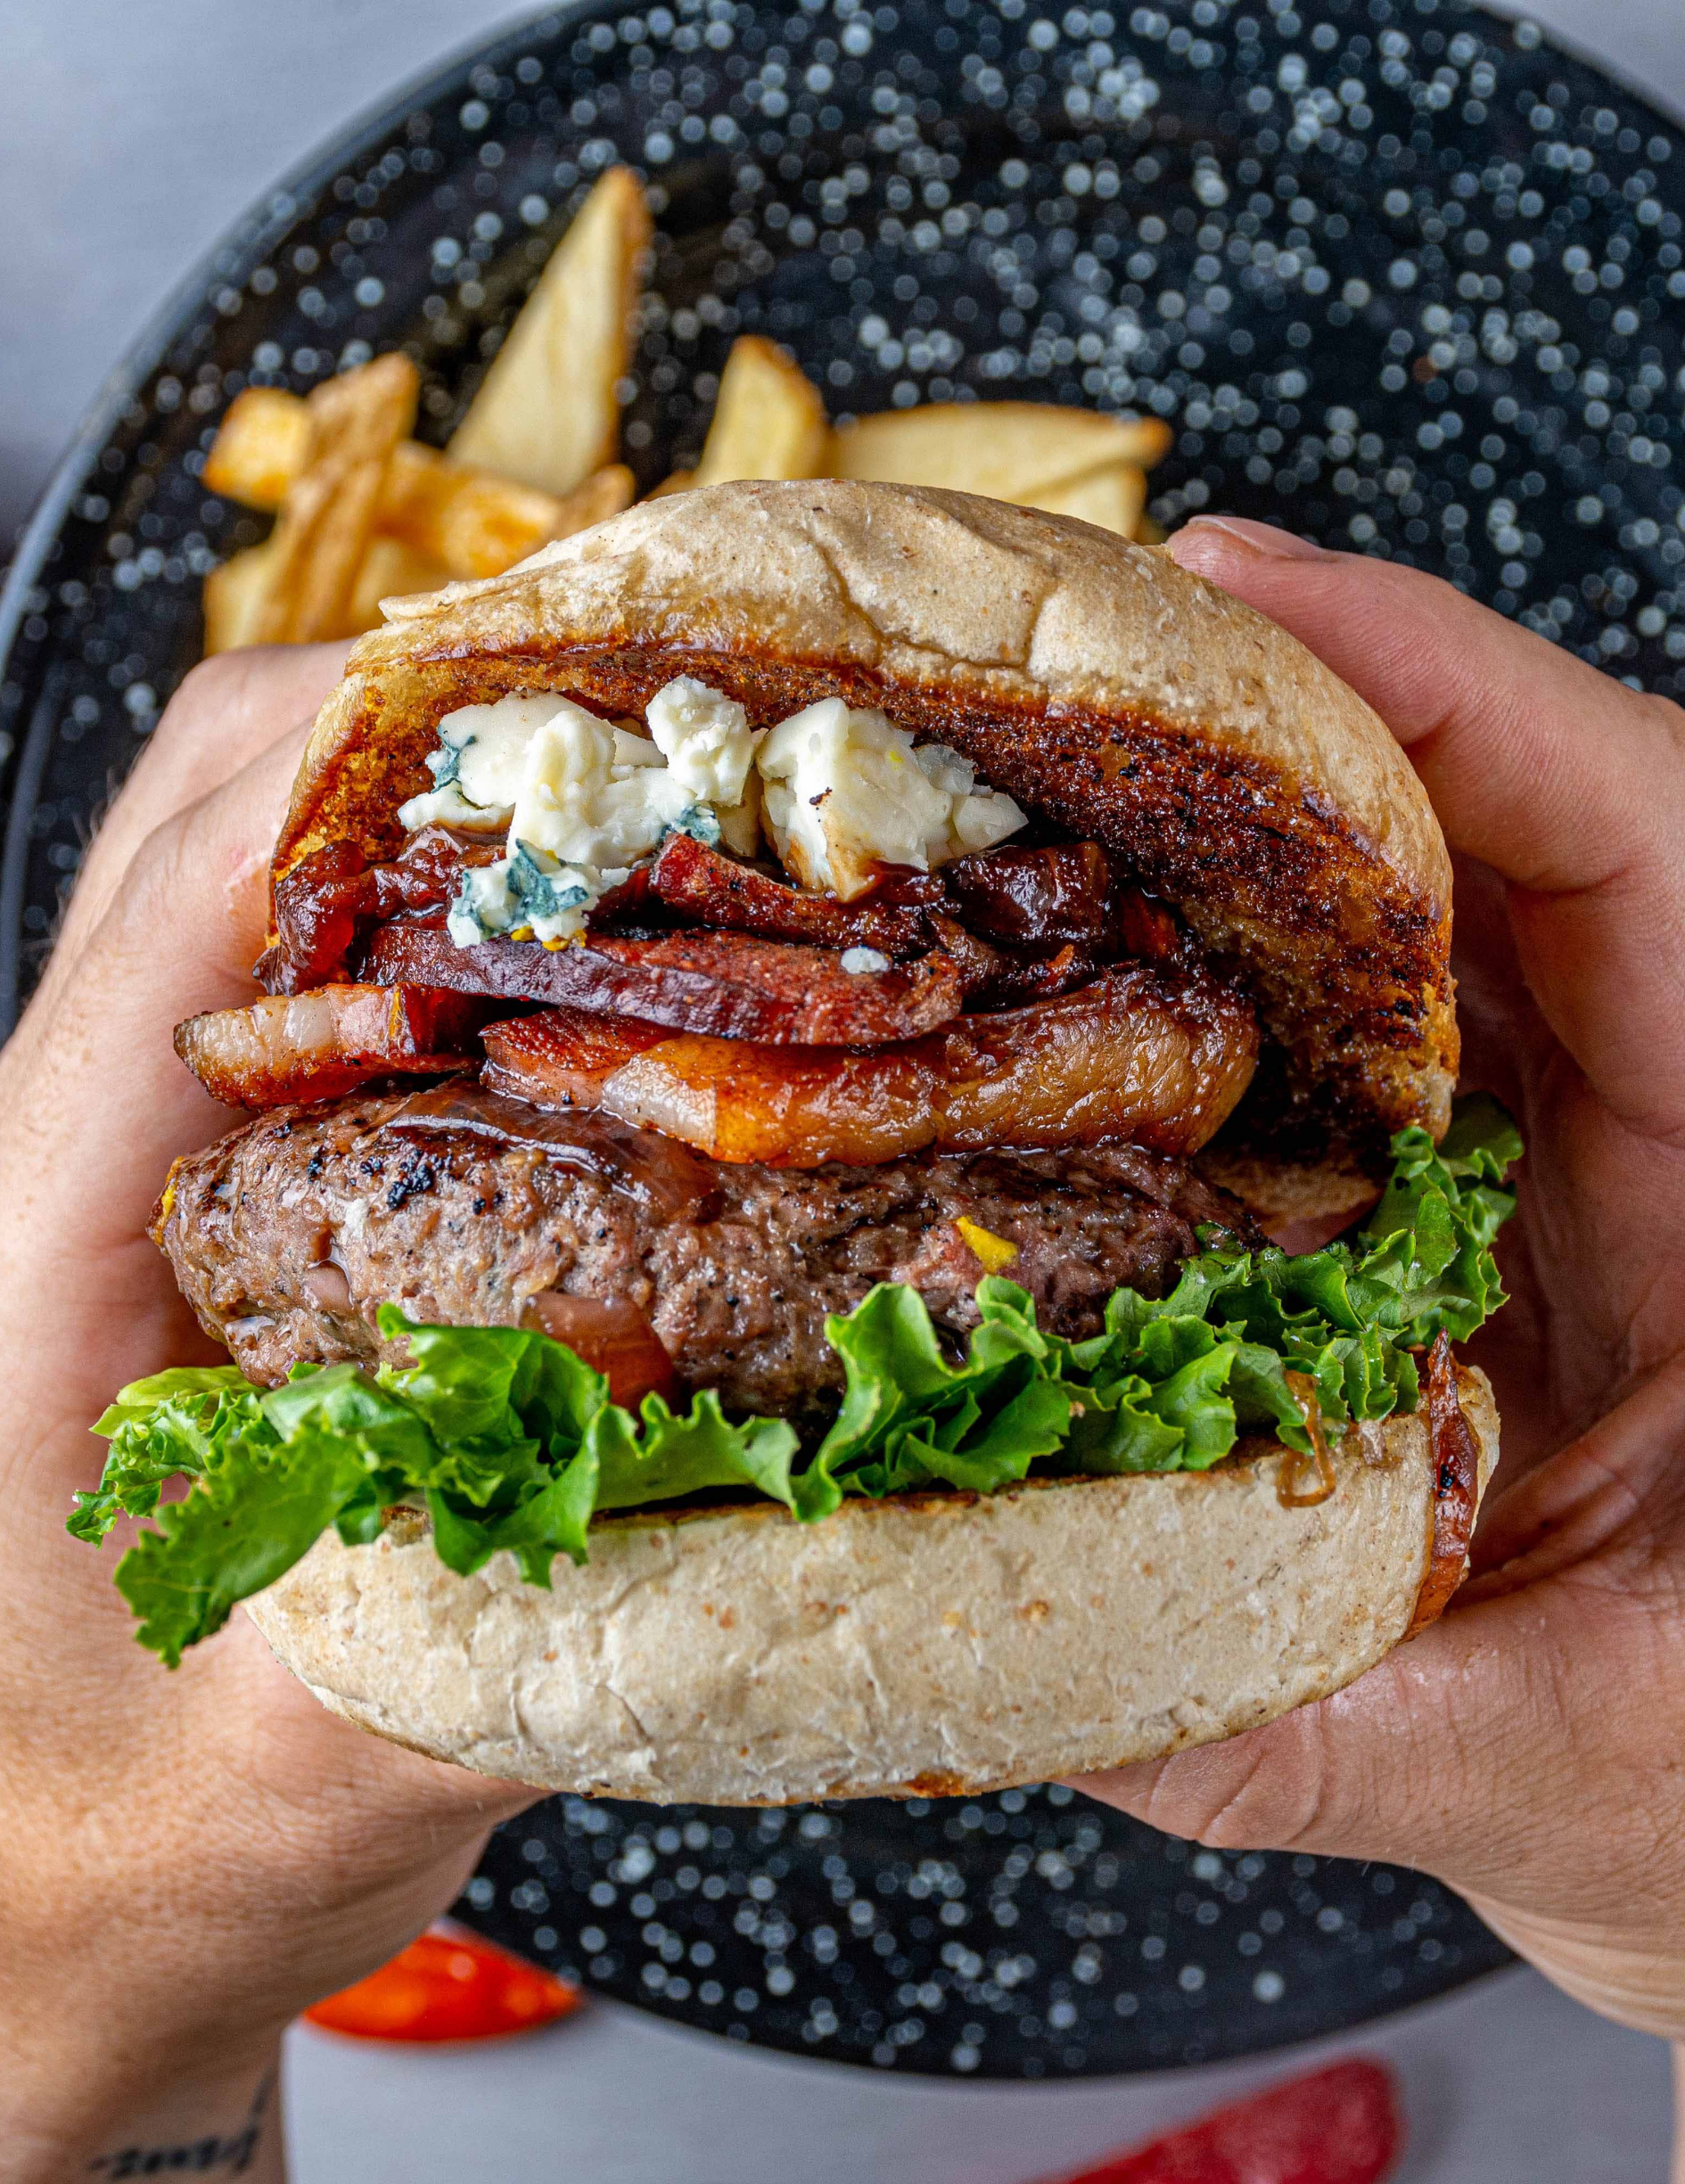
799,1023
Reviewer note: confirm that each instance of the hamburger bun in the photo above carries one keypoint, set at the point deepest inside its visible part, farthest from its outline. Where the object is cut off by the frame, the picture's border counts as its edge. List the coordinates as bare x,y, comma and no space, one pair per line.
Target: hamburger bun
910,1643
928,1646
1095,681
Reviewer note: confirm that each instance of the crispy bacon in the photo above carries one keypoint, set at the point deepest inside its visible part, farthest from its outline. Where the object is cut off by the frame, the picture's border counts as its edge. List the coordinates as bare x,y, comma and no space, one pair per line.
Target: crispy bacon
330,900
1156,1060
713,889
318,1045
722,985
1062,893
1038,901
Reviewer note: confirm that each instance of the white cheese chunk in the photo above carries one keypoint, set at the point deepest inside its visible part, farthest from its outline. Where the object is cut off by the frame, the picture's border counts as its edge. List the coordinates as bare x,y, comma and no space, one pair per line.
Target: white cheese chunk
840,791
847,792
478,766
706,737
526,894
582,801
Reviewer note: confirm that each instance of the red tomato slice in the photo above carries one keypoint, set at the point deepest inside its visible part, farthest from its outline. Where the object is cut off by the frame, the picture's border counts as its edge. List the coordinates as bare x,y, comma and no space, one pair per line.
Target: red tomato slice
447,1986
1342,2125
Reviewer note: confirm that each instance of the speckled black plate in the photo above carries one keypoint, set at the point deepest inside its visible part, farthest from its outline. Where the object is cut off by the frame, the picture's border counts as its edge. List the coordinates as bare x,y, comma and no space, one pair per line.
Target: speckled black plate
1404,277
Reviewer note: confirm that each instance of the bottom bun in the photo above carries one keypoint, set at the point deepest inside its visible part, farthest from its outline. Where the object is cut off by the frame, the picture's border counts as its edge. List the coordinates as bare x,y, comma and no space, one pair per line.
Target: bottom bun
930,1645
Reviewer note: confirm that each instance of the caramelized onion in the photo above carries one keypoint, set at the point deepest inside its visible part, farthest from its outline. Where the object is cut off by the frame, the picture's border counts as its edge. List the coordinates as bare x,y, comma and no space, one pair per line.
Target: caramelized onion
714,889
1062,893
1289,1492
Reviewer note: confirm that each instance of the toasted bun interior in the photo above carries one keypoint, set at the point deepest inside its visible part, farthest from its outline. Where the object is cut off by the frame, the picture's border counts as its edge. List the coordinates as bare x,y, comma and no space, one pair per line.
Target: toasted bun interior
928,1646
1095,681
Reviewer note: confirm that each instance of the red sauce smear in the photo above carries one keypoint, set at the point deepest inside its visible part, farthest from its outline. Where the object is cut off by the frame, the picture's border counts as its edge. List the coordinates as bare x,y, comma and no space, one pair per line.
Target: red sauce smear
1455,1455
447,1986
1342,2125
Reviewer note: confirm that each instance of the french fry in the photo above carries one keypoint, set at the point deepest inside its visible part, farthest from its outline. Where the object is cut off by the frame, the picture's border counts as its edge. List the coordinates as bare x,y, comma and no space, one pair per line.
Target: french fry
323,531
1004,450
391,569
236,599
472,522
770,419
675,481
604,493
549,414
1111,495
261,446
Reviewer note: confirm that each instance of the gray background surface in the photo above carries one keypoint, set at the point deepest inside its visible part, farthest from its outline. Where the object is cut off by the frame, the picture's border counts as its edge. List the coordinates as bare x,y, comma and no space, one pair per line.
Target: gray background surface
129,138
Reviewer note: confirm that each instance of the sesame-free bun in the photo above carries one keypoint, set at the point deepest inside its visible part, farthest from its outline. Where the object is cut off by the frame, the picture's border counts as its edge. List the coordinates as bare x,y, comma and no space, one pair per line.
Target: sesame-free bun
927,1645
1094,680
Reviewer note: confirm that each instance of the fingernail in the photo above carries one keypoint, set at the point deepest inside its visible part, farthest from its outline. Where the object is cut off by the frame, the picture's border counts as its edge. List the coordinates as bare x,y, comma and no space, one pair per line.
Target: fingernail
1261,541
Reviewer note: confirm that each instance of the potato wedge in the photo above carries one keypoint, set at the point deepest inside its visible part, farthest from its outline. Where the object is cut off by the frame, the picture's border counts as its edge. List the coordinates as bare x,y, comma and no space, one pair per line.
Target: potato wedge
1004,450
260,446
770,420
391,571
549,414
1112,496
237,598
604,493
323,532
471,522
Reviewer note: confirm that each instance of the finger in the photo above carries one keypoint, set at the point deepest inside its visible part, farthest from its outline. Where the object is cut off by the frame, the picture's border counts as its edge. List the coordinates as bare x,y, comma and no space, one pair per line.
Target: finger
1569,785
1624,1474
1483,1714
99,1104
1409,1764
229,709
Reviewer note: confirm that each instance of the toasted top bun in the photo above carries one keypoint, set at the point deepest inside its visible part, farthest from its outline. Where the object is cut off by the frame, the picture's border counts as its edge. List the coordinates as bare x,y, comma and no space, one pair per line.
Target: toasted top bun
1094,680
925,1646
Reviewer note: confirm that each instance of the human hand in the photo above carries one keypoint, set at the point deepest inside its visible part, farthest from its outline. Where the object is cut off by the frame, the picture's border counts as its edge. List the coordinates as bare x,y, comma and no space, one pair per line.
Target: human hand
1526,1749
186,1860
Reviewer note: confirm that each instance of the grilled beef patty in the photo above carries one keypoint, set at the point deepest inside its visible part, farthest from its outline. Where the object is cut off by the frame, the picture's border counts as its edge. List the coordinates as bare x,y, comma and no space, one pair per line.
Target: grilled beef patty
461,1205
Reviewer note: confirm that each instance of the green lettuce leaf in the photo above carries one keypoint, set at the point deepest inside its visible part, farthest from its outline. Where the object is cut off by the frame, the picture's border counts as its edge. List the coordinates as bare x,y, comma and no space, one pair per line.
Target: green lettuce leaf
512,1443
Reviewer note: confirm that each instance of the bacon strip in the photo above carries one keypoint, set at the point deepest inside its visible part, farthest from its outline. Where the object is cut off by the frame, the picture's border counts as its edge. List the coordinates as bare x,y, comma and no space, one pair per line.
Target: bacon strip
317,1046
721,985
1158,1061
1062,893
718,890
326,905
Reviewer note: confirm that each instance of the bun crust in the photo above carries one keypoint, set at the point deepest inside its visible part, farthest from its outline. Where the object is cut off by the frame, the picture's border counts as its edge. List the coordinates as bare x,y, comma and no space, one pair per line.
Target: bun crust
926,1647
1094,680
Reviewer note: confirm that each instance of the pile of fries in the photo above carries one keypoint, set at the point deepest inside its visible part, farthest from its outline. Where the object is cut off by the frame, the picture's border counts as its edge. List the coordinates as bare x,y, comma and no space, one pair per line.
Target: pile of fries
365,512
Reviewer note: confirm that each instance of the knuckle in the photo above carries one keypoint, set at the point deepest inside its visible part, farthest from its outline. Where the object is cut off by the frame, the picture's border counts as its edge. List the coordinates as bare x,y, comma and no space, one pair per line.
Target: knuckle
151,886
203,692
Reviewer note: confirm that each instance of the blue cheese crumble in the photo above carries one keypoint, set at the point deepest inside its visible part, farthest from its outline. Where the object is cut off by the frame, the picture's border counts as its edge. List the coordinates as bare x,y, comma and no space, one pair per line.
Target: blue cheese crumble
846,791
838,791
